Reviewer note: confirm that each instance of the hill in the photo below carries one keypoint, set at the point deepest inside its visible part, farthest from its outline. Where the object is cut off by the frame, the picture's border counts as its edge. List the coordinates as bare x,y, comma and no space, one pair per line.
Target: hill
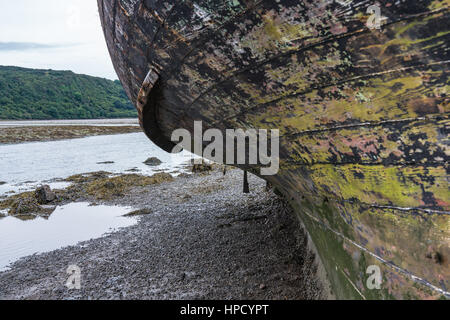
47,94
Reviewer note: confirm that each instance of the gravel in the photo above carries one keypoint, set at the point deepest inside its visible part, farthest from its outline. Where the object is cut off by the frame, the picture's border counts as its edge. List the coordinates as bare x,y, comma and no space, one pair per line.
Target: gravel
204,239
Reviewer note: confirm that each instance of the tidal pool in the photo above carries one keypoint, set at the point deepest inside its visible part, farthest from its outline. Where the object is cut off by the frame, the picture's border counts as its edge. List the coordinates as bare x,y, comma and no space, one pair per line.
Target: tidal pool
68,225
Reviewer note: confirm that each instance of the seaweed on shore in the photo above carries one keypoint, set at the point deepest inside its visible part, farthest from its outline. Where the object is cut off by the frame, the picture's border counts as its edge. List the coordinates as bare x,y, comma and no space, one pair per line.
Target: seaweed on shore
91,187
107,188
25,206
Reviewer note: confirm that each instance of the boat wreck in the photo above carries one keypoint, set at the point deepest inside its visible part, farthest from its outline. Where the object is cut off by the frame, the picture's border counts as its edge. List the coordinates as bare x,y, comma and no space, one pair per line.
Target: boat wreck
360,99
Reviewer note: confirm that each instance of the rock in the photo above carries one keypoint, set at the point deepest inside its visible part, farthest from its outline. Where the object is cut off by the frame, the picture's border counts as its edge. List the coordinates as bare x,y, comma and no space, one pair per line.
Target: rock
153,161
106,162
2,183
44,194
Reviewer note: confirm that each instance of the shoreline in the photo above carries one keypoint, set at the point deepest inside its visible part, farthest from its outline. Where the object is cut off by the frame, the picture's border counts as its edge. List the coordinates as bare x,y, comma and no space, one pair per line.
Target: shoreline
201,238
69,122
23,134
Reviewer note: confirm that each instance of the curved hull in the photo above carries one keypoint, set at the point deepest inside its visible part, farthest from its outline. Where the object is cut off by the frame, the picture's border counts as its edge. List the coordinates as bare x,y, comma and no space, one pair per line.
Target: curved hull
363,116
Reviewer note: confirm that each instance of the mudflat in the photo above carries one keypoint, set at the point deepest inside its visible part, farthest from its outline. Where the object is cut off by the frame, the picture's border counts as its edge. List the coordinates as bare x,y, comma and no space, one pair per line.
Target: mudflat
198,237
9,135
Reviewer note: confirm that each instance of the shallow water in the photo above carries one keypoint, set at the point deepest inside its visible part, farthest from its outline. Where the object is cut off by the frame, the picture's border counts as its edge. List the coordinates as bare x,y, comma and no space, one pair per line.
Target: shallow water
68,225
25,166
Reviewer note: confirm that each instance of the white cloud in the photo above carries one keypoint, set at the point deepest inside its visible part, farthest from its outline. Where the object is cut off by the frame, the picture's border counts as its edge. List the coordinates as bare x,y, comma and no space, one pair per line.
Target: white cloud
71,29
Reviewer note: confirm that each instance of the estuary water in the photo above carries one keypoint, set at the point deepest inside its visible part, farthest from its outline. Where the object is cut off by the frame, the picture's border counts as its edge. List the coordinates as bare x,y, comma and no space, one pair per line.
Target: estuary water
67,226
27,165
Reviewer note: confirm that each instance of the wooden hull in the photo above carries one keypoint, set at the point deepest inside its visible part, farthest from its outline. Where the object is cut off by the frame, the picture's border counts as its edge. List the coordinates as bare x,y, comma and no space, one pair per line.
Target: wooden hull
363,116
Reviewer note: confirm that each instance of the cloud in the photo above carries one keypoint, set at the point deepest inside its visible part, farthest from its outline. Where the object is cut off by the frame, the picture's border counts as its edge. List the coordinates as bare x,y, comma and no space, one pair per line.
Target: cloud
21,46
54,34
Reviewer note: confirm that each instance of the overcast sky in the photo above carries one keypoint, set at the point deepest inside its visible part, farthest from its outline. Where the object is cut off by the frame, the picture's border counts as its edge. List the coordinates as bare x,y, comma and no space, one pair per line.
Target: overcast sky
54,34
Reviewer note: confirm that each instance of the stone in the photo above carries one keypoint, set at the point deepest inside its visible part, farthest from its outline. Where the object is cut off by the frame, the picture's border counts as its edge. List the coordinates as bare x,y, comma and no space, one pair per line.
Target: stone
44,194
153,161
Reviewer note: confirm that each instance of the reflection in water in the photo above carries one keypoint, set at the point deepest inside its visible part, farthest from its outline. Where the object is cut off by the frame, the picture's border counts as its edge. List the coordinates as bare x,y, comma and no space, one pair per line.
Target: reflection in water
67,226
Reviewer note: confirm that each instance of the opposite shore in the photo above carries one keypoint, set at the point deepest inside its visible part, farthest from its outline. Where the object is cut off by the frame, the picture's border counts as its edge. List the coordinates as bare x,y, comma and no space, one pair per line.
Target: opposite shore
12,132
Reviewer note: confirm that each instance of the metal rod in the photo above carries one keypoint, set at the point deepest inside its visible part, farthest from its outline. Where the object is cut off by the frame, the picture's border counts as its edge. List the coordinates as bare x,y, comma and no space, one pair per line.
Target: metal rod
246,187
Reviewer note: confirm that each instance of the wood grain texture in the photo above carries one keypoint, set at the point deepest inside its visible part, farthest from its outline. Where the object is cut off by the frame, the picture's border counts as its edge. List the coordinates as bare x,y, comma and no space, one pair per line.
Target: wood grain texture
363,116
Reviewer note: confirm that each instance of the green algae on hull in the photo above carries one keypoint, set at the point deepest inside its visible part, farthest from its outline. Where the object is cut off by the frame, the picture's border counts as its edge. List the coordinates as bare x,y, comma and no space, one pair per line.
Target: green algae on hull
363,116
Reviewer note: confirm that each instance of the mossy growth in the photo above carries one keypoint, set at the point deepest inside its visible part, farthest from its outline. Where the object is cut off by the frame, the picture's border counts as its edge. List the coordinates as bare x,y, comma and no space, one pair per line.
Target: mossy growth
25,206
107,188
85,187
88,177
201,167
140,212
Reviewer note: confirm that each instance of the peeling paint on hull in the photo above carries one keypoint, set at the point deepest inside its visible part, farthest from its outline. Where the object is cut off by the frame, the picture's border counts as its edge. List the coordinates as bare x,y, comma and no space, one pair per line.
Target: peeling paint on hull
363,116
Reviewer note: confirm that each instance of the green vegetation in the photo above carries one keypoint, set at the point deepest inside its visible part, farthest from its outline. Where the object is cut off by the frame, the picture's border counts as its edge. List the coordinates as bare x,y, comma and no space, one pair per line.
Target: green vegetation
47,94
